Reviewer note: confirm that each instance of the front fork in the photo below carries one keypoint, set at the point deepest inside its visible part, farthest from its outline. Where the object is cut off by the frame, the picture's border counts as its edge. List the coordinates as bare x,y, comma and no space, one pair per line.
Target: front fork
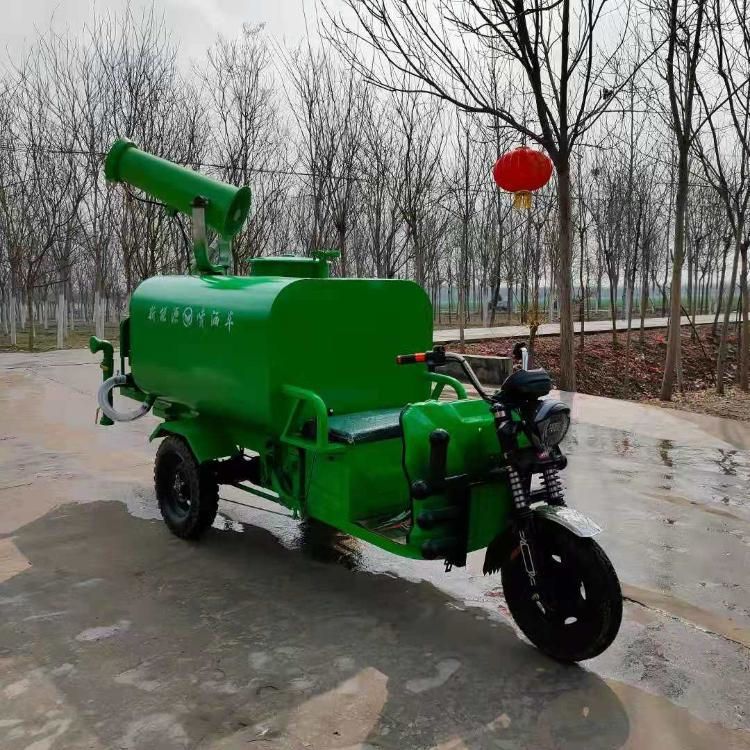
507,432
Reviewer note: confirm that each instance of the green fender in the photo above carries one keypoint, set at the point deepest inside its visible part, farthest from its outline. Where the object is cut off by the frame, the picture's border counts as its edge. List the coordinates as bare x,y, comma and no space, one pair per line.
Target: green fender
206,443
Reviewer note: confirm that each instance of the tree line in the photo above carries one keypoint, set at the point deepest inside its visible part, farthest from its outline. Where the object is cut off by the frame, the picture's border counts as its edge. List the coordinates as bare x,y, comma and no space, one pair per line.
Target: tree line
376,137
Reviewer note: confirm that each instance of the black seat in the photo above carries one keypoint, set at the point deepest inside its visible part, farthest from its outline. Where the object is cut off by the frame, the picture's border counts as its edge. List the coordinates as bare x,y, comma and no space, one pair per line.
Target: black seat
360,427
527,384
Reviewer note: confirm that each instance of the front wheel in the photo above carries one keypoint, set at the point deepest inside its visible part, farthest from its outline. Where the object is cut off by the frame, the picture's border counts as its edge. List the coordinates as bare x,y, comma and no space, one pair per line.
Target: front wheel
575,611
187,492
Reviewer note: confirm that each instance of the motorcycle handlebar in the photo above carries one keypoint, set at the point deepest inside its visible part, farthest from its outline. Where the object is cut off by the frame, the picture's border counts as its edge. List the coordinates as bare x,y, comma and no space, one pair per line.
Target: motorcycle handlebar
438,356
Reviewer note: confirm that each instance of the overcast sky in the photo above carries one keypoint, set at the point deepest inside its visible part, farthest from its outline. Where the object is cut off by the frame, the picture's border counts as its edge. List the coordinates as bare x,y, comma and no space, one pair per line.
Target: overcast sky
194,23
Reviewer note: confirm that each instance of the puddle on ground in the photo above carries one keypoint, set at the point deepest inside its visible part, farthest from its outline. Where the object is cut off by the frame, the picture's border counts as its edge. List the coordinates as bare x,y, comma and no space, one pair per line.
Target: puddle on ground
710,477
707,621
653,716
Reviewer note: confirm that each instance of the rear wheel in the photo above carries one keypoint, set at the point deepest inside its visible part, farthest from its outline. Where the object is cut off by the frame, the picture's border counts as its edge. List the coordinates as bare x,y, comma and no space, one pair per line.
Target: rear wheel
575,612
187,492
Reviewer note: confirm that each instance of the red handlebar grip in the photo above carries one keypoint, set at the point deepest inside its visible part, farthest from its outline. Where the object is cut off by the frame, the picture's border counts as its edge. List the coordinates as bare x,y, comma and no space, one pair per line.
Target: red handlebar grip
410,359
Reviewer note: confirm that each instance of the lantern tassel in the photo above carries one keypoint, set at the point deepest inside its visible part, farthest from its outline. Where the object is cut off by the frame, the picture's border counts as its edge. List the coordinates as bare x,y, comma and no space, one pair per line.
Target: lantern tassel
522,200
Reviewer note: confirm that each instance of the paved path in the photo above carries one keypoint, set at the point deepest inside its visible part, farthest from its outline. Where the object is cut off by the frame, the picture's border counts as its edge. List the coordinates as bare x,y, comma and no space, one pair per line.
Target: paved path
553,329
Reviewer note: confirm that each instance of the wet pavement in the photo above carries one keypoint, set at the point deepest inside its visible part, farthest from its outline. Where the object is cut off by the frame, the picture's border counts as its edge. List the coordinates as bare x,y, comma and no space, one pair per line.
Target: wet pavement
269,634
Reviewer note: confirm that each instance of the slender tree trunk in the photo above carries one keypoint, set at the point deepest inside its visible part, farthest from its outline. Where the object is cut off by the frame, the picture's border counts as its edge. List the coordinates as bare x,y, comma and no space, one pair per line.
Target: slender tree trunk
30,315
644,299
565,294
12,315
745,343
673,343
61,319
722,356
613,311
628,333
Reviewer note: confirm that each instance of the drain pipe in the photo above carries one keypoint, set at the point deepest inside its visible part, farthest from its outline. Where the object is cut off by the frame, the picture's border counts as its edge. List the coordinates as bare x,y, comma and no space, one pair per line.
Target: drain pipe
104,398
110,415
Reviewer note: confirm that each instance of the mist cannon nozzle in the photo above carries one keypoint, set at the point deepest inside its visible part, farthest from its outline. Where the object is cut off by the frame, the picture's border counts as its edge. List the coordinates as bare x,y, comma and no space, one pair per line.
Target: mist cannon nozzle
177,187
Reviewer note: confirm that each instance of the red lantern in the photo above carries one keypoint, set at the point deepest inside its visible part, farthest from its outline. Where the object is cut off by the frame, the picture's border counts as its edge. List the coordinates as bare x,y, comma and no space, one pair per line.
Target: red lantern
522,171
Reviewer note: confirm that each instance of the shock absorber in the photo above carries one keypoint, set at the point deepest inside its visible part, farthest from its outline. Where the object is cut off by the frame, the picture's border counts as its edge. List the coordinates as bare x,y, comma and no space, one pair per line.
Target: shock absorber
520,501
506,432
553,486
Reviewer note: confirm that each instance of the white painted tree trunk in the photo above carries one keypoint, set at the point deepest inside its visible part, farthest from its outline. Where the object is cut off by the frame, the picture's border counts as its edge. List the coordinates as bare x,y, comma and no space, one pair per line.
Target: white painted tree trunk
99,310
61,320
12,315
22,311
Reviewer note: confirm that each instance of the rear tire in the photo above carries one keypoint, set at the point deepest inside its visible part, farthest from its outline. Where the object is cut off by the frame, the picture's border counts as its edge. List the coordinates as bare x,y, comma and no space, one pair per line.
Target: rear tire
187,492
579,609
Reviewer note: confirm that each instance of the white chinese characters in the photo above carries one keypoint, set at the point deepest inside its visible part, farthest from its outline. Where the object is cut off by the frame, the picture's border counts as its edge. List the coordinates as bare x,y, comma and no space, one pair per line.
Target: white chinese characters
174,315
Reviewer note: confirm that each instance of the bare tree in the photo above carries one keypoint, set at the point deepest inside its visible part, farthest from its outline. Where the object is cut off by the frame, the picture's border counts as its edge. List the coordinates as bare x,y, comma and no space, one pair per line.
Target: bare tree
249,140
682,23
728,167
554,54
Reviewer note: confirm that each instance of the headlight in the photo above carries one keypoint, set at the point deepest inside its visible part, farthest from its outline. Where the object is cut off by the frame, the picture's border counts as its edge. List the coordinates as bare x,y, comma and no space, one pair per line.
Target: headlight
552,421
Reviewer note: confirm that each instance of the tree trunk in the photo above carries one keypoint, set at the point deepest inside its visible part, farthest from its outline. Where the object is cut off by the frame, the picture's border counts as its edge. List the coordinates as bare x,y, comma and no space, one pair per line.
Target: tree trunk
644,300
61,320
30,315
460,312
745,343
722,356
613,312
675,303
628,333
565,279
12,316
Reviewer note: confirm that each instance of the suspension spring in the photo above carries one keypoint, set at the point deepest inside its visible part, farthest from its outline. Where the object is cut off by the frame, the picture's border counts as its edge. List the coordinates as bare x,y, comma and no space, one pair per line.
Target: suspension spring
520,501
553,486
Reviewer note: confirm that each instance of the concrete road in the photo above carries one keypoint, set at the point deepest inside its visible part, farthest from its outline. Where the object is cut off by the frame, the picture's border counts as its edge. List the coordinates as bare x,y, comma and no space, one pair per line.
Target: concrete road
553,329
265,635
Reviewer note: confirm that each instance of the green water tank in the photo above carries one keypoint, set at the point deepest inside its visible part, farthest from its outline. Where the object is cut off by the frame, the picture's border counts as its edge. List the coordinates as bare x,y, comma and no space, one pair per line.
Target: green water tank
224,345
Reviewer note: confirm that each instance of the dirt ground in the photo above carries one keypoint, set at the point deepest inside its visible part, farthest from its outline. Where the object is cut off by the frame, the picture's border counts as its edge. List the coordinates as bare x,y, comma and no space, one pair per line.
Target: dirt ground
603,369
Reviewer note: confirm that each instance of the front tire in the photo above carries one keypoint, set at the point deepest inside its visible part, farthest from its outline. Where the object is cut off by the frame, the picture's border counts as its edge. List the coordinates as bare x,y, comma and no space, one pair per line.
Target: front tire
187,492
576,611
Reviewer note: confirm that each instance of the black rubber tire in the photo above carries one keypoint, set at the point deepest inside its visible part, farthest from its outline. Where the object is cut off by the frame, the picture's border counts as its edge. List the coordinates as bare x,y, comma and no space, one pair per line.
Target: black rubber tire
584,588
187,492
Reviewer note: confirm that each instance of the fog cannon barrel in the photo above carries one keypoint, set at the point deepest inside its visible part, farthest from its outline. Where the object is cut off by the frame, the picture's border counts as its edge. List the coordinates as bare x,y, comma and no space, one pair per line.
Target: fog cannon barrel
178,186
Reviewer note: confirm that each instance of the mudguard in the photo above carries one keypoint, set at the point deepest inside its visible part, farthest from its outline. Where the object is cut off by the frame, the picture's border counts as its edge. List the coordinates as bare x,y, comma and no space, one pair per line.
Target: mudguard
206,444
569,518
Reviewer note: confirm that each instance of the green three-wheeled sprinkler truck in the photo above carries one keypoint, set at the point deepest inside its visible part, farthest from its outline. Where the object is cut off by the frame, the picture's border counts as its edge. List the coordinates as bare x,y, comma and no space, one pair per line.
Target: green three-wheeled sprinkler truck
323,394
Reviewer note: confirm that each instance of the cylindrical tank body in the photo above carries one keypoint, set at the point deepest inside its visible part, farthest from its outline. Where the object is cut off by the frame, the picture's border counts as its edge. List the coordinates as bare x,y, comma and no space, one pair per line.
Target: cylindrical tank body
224,345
